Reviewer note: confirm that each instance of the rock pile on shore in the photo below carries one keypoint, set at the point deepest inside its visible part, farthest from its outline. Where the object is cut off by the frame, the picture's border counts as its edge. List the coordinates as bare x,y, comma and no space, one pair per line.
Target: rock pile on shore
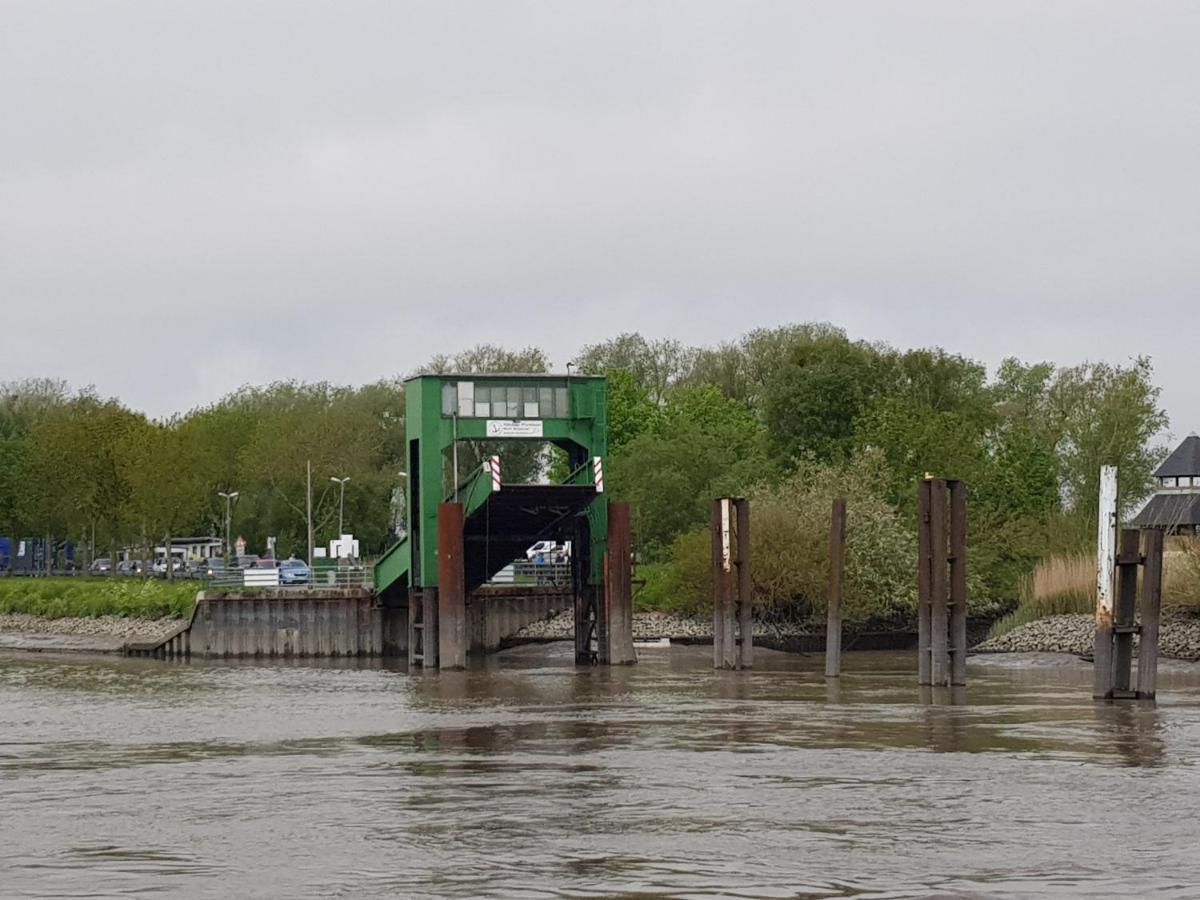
646,626
105,626
1179,637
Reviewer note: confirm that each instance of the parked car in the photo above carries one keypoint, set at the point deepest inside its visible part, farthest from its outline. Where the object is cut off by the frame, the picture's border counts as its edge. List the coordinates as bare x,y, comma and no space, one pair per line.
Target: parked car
245,561
178,566
264,563
293,571
209,567
100,567
129,567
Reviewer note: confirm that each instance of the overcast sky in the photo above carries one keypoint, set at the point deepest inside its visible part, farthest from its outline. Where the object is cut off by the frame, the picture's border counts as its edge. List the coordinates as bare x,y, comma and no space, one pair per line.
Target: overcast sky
199,195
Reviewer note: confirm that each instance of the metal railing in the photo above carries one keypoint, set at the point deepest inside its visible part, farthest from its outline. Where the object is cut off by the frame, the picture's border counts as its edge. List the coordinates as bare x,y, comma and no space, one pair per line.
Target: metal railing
526,571
358,576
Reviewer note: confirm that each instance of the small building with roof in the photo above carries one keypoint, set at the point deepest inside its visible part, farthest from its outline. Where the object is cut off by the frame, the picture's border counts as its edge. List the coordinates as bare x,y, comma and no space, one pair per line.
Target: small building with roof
1175,506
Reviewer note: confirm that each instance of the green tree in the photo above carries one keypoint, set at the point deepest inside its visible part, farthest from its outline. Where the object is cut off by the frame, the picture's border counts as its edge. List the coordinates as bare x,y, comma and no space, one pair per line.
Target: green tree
318,424
631,412
700,445
743,369
1110,416
657,366
167,488
816,398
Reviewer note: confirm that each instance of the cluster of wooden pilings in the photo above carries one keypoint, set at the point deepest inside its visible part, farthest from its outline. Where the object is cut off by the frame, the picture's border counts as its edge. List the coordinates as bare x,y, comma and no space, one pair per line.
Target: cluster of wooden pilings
1117,623
941,564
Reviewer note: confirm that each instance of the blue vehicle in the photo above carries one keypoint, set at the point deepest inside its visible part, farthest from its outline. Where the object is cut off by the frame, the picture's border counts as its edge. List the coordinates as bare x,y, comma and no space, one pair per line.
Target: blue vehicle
293,571
28,556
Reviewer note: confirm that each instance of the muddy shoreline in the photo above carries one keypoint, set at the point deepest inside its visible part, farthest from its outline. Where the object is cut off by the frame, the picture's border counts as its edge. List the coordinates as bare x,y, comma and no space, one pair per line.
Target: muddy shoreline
1067,634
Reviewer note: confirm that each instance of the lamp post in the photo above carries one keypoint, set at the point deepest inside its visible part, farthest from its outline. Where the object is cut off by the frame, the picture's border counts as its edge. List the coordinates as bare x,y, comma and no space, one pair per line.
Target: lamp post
229,498
341,482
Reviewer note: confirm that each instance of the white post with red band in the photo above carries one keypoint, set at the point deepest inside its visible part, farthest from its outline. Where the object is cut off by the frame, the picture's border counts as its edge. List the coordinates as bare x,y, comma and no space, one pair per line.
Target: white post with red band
598,472
493,464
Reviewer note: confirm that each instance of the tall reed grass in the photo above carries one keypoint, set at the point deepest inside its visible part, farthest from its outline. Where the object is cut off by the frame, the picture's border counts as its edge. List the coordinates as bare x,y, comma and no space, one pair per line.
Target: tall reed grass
1058,585
1065,583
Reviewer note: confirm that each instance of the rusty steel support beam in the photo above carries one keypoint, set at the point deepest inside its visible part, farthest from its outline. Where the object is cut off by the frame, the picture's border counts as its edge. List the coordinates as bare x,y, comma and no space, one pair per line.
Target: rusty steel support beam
833,613
958,583
923,573
745,601
1124,611
618,587
451,635
1147,676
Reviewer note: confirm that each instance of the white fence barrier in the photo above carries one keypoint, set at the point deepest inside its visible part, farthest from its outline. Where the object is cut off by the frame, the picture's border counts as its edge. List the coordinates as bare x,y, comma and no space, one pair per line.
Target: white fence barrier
260,577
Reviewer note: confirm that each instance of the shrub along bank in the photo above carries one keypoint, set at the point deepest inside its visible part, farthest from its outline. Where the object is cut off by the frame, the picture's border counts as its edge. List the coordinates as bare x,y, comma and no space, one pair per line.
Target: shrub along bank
58,598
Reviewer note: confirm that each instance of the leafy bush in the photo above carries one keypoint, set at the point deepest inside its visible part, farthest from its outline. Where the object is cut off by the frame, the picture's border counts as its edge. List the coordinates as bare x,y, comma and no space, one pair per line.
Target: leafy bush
790,524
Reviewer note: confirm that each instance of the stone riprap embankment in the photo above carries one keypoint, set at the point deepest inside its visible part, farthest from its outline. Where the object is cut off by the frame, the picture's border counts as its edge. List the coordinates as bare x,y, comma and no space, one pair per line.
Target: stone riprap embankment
101,634
646,626
1179,637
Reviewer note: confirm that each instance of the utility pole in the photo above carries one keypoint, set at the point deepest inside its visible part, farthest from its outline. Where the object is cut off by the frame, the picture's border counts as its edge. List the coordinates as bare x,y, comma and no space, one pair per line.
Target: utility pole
308,509
229,498
341,482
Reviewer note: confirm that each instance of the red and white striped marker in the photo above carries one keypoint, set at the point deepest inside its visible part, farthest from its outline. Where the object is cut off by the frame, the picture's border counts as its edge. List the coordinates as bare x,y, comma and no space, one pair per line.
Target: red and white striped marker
598,471
494,465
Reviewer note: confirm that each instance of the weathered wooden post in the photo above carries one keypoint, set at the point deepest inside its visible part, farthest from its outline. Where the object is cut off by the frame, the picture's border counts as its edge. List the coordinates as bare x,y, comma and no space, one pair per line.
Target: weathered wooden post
451,633
1112,678
731,587
941,576
958,583
618,588
833,615
1102,662
1124,624
1147,678
723,585
923,574
745,606
939,648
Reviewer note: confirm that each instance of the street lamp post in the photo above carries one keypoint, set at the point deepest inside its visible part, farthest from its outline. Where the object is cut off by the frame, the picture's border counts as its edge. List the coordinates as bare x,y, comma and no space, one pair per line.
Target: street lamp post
229,498
341,482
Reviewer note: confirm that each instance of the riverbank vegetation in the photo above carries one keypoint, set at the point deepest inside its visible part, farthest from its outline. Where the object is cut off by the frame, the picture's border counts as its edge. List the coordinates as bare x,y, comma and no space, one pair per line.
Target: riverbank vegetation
790,417
1065,583
58,598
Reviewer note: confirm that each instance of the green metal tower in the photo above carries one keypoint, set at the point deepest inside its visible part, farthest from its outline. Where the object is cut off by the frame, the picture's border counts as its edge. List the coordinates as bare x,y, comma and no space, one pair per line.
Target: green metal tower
570,412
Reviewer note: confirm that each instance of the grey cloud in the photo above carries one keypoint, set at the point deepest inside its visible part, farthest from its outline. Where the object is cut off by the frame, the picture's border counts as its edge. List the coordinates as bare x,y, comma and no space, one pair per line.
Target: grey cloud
192,196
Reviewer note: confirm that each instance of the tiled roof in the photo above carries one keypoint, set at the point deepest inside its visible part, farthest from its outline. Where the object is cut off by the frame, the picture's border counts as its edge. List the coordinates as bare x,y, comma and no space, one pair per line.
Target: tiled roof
1169,510
1184,461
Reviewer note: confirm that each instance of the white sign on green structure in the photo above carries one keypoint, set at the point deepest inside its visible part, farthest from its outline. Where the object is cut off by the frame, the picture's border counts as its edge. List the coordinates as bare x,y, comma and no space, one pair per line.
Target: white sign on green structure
514,428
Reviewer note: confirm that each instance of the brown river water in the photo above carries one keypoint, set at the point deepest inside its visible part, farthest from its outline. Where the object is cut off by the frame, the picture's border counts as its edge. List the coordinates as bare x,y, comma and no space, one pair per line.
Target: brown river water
525,777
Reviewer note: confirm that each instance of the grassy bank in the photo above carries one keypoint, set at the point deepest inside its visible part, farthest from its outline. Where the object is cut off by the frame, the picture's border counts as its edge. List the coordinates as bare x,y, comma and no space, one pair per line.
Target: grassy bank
57,598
